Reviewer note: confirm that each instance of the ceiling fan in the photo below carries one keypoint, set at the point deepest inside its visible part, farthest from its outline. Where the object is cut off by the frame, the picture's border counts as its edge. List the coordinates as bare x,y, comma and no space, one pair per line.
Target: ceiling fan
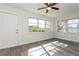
49,6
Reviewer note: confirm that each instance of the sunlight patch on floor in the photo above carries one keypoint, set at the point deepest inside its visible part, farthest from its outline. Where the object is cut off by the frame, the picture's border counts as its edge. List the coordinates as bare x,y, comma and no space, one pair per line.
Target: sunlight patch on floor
46,49
60,44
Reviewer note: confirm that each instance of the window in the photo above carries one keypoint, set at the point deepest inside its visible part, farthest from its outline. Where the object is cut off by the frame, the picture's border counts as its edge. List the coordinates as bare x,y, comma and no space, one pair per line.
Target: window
33,25
73,25
61,26
42,26
36,25
48,25
68,26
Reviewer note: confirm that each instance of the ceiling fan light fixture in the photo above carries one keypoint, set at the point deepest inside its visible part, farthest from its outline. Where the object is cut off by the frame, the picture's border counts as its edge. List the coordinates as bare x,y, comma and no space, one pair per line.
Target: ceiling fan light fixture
48,8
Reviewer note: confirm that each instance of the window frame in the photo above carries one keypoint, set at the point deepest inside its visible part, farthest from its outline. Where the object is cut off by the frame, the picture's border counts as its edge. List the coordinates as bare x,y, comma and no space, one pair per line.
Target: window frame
39,24
67,25
72,27
29,22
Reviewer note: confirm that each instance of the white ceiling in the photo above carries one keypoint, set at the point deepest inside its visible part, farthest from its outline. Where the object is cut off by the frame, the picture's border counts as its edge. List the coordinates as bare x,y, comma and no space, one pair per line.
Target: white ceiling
65,9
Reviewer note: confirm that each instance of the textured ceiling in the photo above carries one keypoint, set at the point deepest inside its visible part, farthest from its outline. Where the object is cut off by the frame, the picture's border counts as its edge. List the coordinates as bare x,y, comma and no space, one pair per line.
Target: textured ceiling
65,9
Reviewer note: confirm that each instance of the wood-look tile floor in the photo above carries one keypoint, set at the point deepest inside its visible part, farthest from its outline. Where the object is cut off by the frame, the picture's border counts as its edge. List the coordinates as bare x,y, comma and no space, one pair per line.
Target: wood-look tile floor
51,47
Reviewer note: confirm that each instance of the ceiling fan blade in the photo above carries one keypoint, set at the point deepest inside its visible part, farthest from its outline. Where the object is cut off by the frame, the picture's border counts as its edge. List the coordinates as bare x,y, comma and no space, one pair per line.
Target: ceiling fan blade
46,11
46,4
55,8
52,4
41,8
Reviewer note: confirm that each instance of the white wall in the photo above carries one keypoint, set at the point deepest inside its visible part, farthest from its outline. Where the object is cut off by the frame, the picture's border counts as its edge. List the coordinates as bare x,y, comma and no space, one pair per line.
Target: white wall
67,35
24,36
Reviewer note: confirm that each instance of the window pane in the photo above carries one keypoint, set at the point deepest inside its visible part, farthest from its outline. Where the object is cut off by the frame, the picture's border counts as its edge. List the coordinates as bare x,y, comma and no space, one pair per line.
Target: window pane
30,24
48,25
33,20
42,26
73,25
42,22
73,30
33,25
73,21
61,26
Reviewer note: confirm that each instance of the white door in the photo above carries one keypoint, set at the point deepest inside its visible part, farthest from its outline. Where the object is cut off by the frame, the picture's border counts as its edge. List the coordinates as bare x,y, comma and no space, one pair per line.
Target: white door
8,26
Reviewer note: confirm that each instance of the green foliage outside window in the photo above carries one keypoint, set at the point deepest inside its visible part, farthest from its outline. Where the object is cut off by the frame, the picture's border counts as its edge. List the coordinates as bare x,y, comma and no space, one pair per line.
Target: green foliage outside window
35,28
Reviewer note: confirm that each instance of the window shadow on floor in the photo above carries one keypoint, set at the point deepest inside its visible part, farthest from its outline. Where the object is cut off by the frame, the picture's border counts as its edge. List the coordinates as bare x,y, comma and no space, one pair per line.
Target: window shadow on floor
48,49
